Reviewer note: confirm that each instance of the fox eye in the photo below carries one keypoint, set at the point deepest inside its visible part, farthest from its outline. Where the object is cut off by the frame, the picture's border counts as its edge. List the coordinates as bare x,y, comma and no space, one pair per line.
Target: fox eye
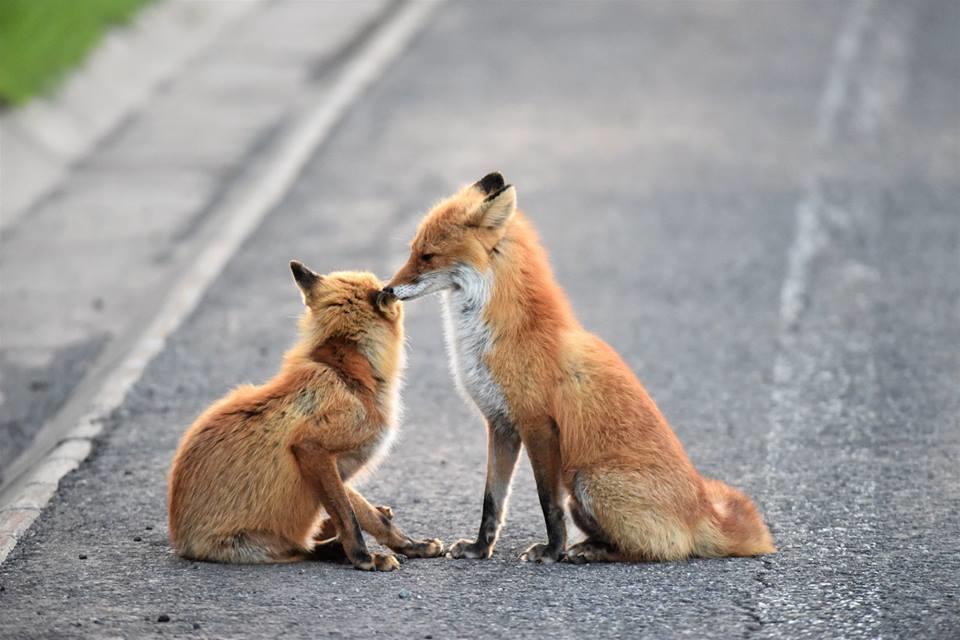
427,257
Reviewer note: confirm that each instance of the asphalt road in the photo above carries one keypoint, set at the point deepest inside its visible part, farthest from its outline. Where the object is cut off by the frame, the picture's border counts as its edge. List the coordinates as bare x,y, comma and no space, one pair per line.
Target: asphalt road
756,203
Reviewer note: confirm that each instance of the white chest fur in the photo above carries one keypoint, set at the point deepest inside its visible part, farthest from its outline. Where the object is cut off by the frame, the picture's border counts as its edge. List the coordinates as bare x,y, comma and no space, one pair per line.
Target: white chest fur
469,339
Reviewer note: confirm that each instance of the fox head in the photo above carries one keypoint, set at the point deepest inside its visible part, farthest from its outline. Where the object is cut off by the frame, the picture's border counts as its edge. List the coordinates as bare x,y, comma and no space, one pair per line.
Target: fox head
349,305
458,236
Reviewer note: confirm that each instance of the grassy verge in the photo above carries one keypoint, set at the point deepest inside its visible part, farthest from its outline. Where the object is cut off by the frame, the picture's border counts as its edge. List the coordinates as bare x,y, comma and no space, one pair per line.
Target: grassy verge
40,40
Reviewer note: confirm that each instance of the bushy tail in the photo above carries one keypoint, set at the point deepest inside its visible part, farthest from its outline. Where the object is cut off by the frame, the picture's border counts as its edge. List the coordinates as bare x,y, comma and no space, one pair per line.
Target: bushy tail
739,530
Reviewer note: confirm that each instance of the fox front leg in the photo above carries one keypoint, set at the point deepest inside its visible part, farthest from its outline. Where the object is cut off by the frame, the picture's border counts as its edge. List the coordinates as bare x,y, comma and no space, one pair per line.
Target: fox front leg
378,523
543,449
503,449
319,469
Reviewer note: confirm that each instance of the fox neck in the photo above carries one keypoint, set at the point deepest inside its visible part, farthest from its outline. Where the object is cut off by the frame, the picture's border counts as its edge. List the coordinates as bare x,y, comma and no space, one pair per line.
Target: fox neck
522,293
512,305
371,371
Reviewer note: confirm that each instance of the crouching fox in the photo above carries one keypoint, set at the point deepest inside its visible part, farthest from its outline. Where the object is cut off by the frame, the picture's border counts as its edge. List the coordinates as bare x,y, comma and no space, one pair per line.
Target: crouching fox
255,473
590,429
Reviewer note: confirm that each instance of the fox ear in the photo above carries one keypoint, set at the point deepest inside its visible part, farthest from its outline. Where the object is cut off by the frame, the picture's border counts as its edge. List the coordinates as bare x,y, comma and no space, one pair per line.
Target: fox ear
387,303
497,208
490,183
305,278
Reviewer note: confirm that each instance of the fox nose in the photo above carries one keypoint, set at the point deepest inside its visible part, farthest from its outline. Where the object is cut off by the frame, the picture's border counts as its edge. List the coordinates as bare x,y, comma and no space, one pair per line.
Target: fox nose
389,291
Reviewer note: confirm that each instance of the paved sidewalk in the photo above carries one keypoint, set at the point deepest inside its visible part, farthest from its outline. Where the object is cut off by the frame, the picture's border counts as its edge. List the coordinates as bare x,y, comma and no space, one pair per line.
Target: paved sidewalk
86,267
40,141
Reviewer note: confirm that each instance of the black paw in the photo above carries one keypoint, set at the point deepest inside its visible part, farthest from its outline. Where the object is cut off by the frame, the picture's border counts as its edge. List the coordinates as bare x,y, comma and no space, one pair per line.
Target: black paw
542,553
467,549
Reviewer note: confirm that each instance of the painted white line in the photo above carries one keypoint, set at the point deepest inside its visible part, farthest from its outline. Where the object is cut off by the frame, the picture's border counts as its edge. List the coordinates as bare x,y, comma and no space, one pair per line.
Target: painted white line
816,365
324,109
809,235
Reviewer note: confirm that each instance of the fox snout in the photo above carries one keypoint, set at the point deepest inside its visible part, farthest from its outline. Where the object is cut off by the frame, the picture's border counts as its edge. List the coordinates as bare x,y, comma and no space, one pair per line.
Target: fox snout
418,285
397,292
402,283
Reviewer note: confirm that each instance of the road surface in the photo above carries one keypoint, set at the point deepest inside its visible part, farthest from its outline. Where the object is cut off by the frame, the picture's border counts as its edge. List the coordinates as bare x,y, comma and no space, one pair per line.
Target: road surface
755,203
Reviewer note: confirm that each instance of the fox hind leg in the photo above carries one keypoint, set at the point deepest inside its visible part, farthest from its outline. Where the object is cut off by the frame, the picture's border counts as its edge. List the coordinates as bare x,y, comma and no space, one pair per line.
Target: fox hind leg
641,517
593,551
596,548
252,547
581,513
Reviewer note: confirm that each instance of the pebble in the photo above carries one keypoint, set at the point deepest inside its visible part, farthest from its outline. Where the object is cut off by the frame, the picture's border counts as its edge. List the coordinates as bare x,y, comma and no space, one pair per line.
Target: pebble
148,528
82,556
163,618
404,594
137,538
196,625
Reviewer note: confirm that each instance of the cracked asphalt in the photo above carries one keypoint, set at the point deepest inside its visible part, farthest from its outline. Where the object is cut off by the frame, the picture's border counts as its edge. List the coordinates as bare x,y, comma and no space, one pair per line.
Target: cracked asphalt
755,203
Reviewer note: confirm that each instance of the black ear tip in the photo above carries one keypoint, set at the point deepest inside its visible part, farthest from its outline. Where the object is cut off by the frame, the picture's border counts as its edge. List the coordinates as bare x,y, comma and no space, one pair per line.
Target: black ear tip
300,270
490,182
302,274
493,196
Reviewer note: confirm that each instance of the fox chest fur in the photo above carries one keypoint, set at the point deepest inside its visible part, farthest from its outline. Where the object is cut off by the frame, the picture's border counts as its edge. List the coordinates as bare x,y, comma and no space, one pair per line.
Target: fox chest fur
368,456
469,340
379,399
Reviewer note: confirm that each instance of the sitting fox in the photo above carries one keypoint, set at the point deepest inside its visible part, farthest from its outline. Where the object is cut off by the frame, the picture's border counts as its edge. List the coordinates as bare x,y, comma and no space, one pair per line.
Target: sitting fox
254,473
589,427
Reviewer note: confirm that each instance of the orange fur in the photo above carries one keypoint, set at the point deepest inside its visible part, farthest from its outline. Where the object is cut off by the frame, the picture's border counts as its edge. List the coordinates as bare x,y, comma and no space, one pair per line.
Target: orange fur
570,397
254,473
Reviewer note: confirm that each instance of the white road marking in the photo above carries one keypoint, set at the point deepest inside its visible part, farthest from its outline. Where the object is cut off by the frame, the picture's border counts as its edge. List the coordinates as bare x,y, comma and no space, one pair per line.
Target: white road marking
322,112
809,235
864,84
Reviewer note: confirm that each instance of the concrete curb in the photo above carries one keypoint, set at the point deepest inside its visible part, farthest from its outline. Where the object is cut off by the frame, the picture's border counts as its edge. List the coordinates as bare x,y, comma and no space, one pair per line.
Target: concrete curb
238,215
39,142
17,517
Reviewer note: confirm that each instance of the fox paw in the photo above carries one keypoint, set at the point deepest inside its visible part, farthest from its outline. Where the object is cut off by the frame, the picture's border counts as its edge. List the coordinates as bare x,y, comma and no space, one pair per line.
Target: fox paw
590,551
329,551
378,562
541,553
431,548
467,549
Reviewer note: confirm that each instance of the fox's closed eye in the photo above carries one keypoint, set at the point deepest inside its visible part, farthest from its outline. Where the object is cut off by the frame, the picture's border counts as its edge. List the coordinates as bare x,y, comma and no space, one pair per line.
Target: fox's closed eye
427,257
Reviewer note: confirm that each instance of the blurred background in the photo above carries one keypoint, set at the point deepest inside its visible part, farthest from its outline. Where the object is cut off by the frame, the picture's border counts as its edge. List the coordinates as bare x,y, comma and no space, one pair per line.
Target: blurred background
754,201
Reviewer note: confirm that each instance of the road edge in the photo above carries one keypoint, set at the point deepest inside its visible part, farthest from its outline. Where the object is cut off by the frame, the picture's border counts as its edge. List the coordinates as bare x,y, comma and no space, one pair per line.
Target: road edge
315,122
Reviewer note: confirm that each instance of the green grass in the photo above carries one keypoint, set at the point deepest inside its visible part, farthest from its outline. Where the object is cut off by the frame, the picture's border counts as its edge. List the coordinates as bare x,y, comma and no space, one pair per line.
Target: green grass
40,40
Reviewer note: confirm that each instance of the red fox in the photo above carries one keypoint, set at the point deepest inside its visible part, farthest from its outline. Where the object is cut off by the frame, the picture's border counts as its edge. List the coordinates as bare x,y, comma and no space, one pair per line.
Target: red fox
541,380
253,474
